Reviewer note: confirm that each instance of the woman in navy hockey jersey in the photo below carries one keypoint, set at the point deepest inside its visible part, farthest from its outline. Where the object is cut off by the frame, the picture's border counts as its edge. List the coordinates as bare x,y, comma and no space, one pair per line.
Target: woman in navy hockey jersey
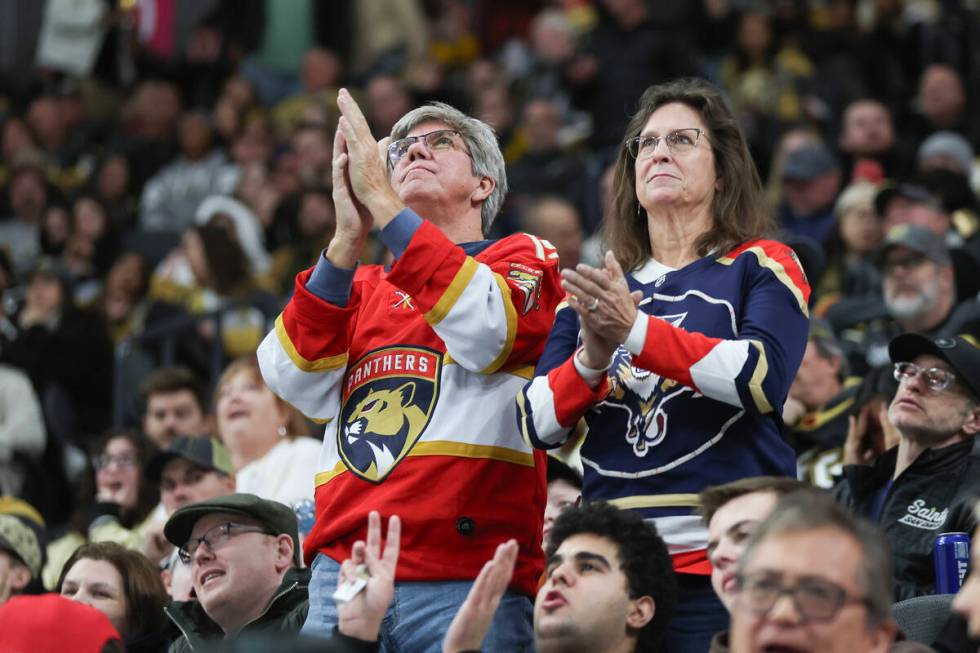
679,365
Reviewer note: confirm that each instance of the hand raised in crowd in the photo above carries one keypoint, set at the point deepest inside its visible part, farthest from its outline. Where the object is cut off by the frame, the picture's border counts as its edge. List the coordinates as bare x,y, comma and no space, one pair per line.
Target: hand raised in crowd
361,617
354,221
605,306
471,623
864,441
366,162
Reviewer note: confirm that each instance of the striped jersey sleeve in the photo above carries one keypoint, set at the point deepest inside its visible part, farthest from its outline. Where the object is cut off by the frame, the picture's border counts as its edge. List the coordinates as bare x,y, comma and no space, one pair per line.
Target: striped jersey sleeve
754,369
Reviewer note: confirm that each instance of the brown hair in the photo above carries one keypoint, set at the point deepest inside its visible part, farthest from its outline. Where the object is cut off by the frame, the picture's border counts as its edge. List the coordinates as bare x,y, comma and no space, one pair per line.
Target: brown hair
739,211
712,498
145,594
167,380
296,425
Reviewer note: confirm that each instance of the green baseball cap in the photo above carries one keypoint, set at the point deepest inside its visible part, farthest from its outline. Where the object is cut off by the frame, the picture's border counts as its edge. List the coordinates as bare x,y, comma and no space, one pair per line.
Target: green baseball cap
208,453
278,518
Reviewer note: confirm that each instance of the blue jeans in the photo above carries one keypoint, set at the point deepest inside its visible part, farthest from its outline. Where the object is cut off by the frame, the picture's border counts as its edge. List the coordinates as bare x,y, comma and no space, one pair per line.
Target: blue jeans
698,615
420,614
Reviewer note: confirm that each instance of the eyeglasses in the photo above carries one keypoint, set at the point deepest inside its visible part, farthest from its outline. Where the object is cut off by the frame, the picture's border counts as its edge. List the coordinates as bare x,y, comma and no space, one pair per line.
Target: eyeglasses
678,141
216,537
936,379
435,141
124,461
815,599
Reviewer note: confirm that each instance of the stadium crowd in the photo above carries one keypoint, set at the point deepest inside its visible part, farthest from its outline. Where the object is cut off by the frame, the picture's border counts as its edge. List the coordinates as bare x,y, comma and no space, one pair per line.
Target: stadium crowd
457,325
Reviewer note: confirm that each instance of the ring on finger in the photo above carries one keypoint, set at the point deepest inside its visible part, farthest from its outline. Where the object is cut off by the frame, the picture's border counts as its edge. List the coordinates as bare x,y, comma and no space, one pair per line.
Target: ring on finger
594,304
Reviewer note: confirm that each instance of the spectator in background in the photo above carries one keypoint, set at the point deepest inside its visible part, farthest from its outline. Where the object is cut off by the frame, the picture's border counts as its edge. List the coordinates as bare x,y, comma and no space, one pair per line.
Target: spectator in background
247,584
854,237
564,491
170,199
811,180
623,55
66,352
28,197
125,587
320,74
316,221
119,507
732,512
114,188
173,405
608,586
387,100
926,485
945,150
268,438
546,167
941,101
246,570
868,134
918,294
835,569
556,220
21,556
190,470
819,402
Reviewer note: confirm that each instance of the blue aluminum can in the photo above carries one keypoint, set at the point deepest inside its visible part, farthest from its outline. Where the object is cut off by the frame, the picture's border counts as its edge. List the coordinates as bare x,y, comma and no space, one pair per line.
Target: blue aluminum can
951,553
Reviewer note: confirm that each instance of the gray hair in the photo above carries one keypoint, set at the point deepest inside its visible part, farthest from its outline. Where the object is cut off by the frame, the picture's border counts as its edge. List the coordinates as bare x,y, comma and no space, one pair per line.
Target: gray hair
488,160
809,510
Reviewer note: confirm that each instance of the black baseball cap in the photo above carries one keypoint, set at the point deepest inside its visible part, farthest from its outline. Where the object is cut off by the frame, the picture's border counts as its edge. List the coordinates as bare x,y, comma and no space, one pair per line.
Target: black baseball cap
203,452
961,352
278,518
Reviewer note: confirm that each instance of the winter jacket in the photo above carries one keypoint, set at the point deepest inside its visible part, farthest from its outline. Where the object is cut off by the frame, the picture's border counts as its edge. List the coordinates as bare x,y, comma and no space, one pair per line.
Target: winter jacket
934,495
285,613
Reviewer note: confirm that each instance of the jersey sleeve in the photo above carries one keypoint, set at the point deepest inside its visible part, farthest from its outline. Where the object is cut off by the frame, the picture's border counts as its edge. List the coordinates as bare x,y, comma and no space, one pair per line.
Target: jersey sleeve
493,310
552,403
755,369
304,358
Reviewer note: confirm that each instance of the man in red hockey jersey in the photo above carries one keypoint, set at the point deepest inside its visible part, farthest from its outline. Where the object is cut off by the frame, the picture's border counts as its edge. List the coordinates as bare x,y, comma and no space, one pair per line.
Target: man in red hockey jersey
415,368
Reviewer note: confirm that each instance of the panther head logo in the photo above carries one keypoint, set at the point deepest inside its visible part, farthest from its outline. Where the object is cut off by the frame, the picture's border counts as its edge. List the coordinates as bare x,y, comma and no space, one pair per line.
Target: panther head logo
384,420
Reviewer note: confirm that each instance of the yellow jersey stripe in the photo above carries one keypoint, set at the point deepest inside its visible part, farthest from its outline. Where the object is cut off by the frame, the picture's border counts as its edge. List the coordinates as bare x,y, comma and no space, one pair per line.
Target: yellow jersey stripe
777,269
758,376
318,365
657,501
466,450
456,287
511,313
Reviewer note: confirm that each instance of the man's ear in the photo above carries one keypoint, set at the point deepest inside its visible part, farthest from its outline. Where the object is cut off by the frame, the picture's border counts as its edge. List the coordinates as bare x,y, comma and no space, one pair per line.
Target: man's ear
641,612
972,424
284,552
483,189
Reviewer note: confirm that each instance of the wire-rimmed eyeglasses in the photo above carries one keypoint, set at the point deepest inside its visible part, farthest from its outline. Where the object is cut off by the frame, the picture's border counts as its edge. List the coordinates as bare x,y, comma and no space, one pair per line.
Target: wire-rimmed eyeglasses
678,141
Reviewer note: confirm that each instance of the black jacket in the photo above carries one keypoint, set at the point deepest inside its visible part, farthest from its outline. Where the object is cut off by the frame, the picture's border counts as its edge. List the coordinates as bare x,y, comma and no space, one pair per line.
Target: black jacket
934,495
285,613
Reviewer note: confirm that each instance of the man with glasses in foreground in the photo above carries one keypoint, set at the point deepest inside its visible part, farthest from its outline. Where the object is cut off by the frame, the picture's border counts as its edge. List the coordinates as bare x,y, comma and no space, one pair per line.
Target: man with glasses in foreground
415,368
926,485
813,579
247,575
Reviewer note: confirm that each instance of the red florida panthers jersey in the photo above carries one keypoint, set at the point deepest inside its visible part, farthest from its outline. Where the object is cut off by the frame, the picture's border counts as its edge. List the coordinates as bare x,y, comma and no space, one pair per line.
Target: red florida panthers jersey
416,377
